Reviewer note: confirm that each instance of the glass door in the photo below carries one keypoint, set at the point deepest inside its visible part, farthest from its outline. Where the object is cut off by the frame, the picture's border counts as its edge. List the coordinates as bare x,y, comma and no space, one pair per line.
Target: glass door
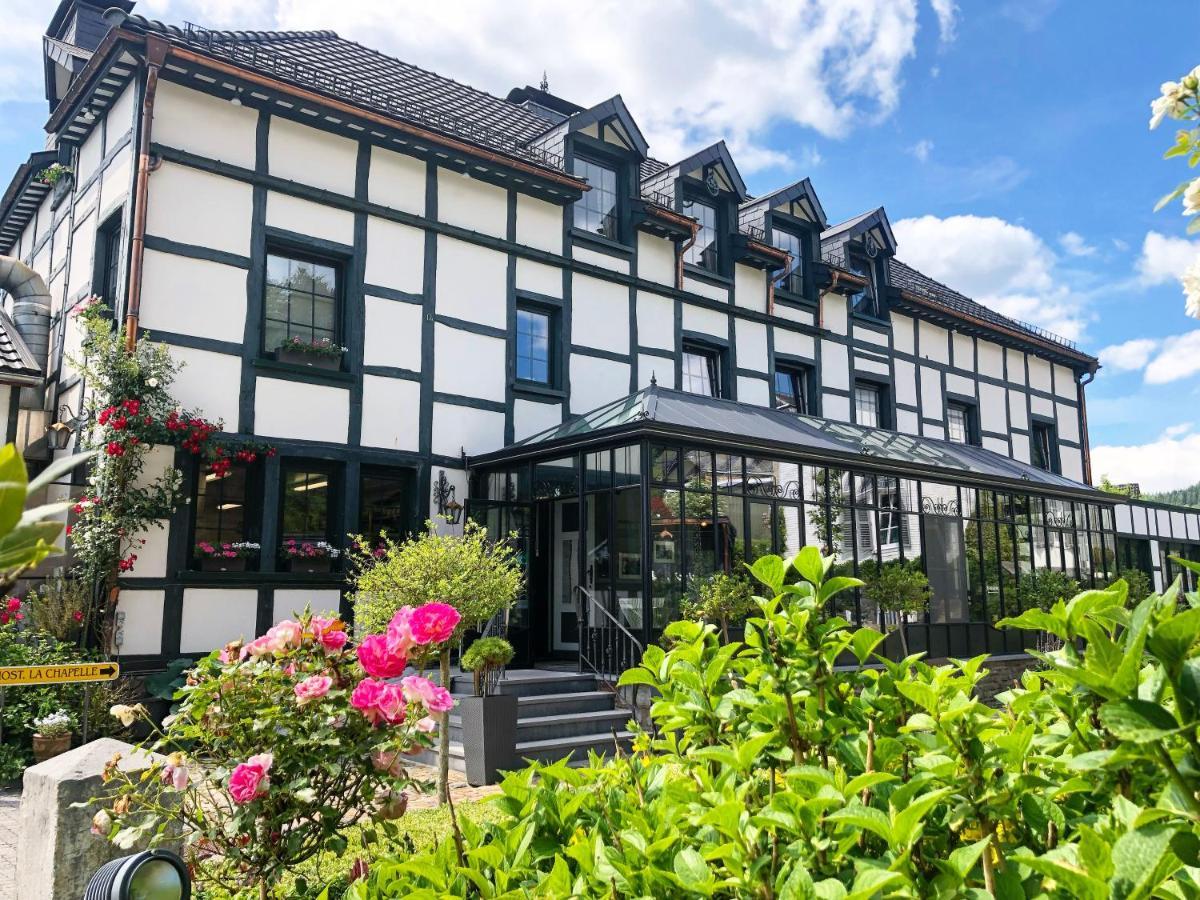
564,576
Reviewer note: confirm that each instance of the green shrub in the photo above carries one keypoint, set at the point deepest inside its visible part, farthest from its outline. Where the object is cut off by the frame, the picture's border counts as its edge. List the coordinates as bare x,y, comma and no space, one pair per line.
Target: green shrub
484,659
57,606
898,587
1045,587
1140,584
720,599
13,761
776,772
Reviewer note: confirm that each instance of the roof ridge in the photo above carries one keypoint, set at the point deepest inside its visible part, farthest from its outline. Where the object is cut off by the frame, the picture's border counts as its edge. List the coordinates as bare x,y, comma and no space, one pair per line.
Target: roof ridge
262,36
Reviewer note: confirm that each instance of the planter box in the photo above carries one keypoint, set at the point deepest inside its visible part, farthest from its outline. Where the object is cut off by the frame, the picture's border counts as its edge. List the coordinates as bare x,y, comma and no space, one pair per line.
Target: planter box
318,565
489,729
312,360
237,564
45,748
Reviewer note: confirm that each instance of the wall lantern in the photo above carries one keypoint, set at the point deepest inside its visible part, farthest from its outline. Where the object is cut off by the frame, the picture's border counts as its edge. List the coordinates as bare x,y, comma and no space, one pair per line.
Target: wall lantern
58,435
150,875
443,495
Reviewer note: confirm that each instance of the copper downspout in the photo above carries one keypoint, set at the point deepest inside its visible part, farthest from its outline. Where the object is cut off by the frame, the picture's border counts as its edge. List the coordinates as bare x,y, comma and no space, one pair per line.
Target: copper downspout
682,251
1086,443
156,54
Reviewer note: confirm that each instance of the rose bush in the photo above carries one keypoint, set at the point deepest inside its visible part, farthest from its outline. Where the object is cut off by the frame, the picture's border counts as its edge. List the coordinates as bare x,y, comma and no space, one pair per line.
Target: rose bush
278,747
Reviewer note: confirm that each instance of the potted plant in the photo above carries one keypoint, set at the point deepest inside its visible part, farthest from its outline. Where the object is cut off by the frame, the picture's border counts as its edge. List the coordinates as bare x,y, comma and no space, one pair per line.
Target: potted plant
320,353
308,556
721,599
60,178
52,735
899,588
489,719
226,557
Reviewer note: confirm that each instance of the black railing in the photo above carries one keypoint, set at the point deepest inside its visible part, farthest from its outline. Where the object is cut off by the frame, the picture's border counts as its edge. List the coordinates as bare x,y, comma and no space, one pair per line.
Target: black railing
756,232
606,647
658,198
260,57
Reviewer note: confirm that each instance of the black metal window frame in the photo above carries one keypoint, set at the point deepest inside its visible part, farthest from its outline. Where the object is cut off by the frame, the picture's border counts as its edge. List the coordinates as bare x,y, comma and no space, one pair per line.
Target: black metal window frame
554,343
798,279
1043,444
334,474
252,500
883,393
801,378
691,192
624,164
970,413
405,475
869,301
297,252
108,260
714,357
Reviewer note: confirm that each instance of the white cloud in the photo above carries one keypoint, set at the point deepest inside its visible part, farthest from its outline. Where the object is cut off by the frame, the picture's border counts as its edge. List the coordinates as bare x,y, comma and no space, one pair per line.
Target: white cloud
1075,245
1170,461
1164,258
1178,357
1120,245
1174,431
947,17
1129,356
1001,265
921,149
691,73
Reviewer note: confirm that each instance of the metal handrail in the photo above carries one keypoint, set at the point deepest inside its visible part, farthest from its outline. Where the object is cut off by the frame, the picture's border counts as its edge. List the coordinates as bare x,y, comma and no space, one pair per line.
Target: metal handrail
609,652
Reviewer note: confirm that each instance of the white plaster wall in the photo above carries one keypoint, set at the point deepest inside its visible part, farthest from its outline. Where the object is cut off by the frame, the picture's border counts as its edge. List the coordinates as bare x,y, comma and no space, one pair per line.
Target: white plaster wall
870,336
539,278
993,415
115,181
208,381
793,343
1018,414
704,289
907,422
90,154
397,181
472,283
391,415
1068,422
1015,361
468,203
193,296
933,342
708,321
750,288
595,382
834,315
1039,374
58,250
752,347
468,364
462,427
905,385
835,365
151,555
964,352
1020,446
1041,406
957,384
991,359
787,313
289,604
656,259
1064,382
874,366
83,243
212,617
392,334
228,133
308,218
395,255
539,224
599,314
1072,462
902,333
603,260
531,417
458,480
661,369
307,412
120,116
996,445
142,630
220,221
310,156
931,392
754,391
655,321
836,407
937,432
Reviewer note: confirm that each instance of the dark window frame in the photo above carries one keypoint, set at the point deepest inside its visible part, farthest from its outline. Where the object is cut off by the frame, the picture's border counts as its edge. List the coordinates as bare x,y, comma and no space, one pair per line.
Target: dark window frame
717,355
690,191
108,260
335,473
314,256
803,378
252,518
1039,425
796,228
404,475
887,415
876,289
970,410
625,163
554,343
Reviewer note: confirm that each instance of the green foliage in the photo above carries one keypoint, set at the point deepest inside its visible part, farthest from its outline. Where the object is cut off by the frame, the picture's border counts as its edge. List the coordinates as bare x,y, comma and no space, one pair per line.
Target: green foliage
776,771
1123,490
720,599
56,606
899,587
166,684
477,576
13,761
1140,584
1043,588
53,174
485,658
1188,496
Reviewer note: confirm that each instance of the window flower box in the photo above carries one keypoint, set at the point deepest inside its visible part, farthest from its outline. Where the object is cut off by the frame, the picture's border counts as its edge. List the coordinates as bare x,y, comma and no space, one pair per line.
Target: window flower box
226,557
308,557
318,354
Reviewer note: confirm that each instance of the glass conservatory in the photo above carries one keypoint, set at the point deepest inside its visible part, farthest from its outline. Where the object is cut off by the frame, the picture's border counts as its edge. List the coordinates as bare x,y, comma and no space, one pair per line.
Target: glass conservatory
619,513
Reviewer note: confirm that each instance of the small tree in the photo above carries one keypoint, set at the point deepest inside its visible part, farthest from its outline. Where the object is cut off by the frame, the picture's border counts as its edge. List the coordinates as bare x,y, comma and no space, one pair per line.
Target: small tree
900,588
720,599
477,576
485,659
1140,585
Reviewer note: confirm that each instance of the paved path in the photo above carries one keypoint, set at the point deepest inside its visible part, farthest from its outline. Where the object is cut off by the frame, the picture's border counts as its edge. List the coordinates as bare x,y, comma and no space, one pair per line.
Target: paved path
10,800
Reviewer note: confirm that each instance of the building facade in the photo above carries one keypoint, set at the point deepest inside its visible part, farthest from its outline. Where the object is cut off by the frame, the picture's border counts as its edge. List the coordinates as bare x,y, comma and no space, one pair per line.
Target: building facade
519,287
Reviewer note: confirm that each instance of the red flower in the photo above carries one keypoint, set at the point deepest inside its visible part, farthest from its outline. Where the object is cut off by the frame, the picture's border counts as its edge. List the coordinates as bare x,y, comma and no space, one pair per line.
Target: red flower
12,604
77,615
69,528
115,448
127,563
118,422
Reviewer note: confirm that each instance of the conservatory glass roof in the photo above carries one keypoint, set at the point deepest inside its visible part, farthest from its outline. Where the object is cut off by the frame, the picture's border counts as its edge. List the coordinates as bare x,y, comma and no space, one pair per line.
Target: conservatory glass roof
658,411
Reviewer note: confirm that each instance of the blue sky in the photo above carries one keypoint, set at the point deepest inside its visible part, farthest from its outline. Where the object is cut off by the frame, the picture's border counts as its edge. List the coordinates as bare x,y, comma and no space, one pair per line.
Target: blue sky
1007,140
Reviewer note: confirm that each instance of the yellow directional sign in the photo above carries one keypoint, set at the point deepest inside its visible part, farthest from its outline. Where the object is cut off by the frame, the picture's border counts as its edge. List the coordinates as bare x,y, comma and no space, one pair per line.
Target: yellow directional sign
103,671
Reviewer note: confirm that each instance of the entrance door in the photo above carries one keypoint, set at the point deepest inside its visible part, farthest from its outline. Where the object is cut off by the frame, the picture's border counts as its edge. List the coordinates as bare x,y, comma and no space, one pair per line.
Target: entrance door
564,576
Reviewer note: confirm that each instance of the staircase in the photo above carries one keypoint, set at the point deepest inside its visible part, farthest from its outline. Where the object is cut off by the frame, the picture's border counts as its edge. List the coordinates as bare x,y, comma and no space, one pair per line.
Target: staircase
559,714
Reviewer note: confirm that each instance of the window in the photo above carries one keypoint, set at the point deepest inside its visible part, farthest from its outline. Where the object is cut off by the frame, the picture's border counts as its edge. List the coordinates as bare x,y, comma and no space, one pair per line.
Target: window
306,503
106,280
869,407
384,503
791,390
1043,440
703,251
221,514
301,301
597,210
864,300
960,424
701,371
792,278
535,345
889,512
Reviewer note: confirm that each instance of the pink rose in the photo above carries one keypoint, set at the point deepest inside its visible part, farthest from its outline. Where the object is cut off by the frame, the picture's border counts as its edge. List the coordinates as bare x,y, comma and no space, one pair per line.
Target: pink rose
327,634
284,636
175,774
314,687
379,701
421,690
14,605
256,648
434,623
380,658
399,630
249,779
427,725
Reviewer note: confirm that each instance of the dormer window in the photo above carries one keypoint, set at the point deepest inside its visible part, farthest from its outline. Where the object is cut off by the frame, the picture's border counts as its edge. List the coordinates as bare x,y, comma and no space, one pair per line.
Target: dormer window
865,301
704,250
792,278
598,210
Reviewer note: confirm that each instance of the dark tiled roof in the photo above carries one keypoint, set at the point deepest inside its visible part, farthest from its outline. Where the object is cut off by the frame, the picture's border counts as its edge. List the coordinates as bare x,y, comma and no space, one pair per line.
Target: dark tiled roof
15,357
347,70
22,198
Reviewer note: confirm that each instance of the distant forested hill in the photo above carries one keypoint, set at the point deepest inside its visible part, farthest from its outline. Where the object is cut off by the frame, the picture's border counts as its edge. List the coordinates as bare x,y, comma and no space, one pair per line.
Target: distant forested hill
1188,496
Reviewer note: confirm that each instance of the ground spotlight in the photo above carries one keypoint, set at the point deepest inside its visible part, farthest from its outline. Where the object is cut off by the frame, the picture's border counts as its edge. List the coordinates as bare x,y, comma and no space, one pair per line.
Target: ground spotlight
150,875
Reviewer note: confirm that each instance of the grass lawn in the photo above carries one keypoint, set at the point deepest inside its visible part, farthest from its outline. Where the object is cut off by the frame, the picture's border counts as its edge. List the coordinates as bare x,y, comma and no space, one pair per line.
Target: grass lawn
423,827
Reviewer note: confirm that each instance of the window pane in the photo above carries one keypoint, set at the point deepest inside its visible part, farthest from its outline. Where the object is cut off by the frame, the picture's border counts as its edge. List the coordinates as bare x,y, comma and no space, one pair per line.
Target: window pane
533,346
300,302
666,562
597,209
792,278
956,424
305,505
703,251
866,406
384,502
864,300
700,372
221,507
